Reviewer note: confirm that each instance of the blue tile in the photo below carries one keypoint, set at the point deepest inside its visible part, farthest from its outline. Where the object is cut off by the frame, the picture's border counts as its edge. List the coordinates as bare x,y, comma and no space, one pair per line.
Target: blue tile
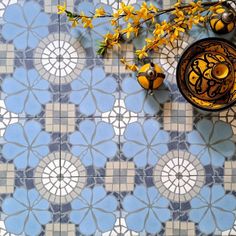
26,89
86,151
15,28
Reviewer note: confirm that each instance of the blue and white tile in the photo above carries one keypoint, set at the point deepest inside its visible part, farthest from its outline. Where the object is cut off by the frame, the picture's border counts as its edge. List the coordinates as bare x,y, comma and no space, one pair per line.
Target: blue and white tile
25,91
213,142
91,88
24,143
88,38
94,142
145,211
94,212
24,210
23,24
144,143
138,100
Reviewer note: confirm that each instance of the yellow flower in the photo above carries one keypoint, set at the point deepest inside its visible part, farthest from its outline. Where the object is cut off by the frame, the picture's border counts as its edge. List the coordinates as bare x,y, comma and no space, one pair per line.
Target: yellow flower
141,53
132,67
148,40
87,22
128,10
108,36
142,13
114,22
130,29
74,22
100,12
117,14
153,8
176,5
116,34
61,8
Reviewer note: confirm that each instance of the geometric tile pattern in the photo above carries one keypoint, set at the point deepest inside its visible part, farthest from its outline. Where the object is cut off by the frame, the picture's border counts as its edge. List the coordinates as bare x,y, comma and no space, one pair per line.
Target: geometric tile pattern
60,177
230,175
58,59
60,229
84,150
7,176
7,118
179,176
120,176
178,116
50,6
7,51
169,55
179,228
112,65
57,117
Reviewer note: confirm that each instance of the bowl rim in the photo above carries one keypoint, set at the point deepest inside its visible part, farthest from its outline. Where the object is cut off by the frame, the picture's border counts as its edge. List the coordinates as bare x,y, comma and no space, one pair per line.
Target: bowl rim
178,69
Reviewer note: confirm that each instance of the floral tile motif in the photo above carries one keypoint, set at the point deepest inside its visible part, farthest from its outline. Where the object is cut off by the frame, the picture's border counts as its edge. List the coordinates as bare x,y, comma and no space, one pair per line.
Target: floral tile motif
86,151
4,4
138,100
24,144
25,211
25,34
88,37
95,143
92,91
24,91
145,210
212,142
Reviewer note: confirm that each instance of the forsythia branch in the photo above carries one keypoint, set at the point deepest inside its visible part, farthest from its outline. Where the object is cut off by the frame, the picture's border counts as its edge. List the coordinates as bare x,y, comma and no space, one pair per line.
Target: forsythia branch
128,22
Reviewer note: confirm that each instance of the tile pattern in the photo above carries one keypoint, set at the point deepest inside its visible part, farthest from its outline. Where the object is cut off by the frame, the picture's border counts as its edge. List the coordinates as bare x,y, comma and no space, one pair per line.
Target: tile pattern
86,151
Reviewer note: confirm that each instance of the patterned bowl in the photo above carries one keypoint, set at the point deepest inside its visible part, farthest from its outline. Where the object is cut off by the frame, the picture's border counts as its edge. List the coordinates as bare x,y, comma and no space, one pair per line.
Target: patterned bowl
206,74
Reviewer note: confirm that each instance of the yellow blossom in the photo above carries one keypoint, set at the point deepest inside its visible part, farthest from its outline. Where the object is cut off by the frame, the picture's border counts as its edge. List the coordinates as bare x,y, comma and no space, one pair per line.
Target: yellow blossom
114,22
117,14
153,8
132,67
61,8
128,10
182,17
148,40
100,12
141,53
176,5
142,13
74,22
87,22
130,29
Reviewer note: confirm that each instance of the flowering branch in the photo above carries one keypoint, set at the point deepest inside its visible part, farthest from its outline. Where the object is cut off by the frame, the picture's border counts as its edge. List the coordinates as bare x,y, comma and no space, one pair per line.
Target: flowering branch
183,18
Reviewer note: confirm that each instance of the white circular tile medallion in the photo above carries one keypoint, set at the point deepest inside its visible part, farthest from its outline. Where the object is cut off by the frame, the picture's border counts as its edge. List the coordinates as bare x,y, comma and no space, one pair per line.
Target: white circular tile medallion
59,59
60,177
179,176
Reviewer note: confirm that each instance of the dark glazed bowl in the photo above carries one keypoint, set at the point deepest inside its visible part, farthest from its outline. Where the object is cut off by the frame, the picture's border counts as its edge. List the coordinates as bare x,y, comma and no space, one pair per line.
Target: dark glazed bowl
206,74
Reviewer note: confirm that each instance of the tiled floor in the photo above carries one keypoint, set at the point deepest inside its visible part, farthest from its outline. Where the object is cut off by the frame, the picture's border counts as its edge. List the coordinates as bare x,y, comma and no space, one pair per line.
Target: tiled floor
85,150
